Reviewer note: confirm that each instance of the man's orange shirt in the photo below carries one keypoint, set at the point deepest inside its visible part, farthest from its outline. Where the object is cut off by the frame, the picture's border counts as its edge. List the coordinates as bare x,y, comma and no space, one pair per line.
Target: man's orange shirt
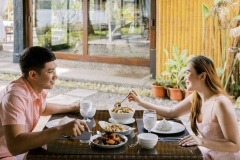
19,105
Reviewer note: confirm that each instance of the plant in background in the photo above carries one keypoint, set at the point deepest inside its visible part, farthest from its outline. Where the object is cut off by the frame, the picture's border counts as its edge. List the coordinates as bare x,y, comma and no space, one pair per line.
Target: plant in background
225,27
161,82
158,85
238,103
158,81
175,67
220,20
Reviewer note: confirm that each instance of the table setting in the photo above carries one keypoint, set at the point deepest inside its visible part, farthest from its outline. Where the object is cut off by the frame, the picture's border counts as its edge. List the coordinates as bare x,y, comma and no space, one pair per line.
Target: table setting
148,135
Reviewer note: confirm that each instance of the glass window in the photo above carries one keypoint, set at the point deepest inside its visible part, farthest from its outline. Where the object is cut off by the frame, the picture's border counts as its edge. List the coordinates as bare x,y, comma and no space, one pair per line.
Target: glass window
116,28
57,24
119,28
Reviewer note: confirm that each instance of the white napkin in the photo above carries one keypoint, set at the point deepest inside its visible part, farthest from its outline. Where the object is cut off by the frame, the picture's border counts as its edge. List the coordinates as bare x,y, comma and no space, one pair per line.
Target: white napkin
65,120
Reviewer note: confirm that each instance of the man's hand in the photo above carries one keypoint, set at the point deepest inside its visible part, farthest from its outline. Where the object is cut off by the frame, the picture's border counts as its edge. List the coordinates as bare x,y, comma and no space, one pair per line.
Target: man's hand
74,128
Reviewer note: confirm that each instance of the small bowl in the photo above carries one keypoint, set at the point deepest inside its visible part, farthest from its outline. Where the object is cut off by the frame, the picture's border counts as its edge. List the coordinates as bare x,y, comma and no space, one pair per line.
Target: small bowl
147,140
121,117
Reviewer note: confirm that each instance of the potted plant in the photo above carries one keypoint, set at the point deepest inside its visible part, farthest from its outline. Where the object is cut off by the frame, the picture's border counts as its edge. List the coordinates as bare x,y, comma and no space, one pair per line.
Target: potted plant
237,109
187,93
175,72
158,85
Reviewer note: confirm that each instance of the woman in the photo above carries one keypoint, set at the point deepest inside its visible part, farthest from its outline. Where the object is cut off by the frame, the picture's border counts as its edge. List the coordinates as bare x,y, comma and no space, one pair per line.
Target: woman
211,110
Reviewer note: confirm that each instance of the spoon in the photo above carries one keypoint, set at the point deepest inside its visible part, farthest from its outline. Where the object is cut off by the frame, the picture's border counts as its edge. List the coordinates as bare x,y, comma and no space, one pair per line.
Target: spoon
118,104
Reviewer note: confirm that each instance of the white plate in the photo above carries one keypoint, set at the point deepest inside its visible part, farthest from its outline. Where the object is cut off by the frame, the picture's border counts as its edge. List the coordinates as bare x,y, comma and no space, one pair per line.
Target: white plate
127,132
176,128
109,146
111,120
55,122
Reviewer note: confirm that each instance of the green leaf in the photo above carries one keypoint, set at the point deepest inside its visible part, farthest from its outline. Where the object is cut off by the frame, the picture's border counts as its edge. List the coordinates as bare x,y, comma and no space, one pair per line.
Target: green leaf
216,2
175,52
205,12
166,51
236,18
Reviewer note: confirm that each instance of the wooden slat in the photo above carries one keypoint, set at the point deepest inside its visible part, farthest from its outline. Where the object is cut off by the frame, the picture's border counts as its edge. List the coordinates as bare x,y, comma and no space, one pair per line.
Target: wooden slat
105,59
180,23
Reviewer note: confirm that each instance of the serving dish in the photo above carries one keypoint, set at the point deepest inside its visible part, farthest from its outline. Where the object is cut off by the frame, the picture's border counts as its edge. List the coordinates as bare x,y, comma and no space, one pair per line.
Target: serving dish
127,131
123,141
176,128
121,116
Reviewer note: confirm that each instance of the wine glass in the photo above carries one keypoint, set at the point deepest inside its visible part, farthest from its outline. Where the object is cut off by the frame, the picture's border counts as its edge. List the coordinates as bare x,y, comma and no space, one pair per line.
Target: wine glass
85,107
149,119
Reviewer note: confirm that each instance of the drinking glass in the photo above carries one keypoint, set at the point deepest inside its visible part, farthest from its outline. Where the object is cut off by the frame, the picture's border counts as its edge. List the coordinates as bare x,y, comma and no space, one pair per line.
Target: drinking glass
149,119
85,107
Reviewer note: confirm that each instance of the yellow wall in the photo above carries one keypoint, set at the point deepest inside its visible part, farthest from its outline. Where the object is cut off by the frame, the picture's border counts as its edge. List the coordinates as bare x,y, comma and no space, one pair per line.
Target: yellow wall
179,22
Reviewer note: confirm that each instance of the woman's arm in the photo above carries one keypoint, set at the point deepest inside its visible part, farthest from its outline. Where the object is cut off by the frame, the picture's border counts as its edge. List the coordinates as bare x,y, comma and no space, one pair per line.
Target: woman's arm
223,114
226,117
180,109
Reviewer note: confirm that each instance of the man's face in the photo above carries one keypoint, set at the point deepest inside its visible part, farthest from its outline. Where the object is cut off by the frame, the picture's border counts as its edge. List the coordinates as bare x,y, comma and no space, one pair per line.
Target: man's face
46,79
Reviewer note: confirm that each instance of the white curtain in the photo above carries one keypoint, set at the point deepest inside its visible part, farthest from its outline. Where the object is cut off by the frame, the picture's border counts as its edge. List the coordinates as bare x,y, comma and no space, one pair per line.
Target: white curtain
3,7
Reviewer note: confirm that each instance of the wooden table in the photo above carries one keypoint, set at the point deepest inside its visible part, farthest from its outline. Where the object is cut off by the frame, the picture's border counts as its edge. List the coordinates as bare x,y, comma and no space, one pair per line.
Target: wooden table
74,149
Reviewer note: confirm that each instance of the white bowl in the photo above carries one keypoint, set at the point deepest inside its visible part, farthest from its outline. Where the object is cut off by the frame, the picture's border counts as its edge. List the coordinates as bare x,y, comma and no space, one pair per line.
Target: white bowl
121,117
147,140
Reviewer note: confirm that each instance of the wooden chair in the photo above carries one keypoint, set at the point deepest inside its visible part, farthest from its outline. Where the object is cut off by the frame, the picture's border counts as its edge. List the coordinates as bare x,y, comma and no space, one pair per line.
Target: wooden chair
9,32
146,28
118,28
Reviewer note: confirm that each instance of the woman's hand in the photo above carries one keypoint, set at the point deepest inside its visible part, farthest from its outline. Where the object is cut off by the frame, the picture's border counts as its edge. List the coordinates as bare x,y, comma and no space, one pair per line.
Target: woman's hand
74,128
190,140
133,96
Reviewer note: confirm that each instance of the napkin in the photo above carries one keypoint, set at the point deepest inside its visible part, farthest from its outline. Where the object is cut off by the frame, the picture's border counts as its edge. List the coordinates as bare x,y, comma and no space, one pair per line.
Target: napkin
84,136
65,120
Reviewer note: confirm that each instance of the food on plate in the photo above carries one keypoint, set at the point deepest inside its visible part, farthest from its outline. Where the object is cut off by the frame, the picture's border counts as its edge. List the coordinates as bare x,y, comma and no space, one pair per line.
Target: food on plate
115,128
163,125
109,138
64,120
121,109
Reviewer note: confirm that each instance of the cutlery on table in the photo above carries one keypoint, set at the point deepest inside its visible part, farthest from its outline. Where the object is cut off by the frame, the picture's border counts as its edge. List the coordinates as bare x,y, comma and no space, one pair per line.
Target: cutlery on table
169,138
118,104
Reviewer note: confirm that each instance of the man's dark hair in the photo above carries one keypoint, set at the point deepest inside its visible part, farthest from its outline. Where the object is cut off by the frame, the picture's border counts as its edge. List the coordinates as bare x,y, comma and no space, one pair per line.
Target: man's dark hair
35,58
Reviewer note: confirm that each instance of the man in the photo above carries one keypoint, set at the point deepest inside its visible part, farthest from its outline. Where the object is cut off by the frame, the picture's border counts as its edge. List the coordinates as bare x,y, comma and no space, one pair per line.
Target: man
23,101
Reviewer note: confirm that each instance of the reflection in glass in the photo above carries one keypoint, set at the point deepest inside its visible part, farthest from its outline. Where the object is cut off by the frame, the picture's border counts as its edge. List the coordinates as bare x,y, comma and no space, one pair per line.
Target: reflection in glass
57,25
119,28
147,151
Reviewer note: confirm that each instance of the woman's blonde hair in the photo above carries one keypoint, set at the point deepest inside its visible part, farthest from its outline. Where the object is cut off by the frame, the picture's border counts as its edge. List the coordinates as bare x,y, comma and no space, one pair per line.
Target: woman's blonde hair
203,64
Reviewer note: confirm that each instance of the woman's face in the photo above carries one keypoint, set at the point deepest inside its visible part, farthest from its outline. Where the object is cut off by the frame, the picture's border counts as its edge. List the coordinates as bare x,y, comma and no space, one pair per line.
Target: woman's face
191,78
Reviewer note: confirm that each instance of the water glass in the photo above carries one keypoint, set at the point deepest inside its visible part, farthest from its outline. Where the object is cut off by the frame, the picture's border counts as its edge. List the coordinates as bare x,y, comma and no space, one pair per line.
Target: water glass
149,119
86,106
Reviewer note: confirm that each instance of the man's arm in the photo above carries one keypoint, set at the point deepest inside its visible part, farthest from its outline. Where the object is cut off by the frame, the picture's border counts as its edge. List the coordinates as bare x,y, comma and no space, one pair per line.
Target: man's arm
18,141
57,108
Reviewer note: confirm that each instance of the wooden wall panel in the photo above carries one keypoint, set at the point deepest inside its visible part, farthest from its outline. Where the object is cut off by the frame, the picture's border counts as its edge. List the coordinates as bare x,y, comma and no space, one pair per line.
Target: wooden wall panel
179,22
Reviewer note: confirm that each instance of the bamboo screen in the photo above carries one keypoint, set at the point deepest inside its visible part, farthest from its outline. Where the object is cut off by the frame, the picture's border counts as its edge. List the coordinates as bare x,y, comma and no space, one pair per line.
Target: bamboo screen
179,22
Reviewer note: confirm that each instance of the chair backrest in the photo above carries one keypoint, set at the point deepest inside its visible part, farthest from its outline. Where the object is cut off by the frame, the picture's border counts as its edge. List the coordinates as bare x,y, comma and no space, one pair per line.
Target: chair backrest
9,29
146,23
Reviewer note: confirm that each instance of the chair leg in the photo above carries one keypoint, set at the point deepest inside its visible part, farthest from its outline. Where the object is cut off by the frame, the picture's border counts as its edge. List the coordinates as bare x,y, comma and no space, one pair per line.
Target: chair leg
147,36
1,47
